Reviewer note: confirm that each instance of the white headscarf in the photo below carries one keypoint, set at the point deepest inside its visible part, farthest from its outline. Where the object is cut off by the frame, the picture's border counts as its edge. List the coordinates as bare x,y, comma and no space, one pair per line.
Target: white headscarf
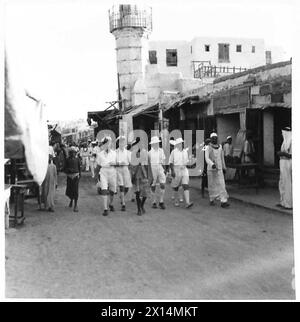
287,140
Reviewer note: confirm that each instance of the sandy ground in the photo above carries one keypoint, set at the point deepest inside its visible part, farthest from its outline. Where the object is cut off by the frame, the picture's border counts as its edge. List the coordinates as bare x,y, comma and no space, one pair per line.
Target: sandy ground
203,253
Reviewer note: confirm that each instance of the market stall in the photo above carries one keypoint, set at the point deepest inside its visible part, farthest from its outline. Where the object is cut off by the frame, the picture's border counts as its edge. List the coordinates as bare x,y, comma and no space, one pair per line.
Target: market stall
26,142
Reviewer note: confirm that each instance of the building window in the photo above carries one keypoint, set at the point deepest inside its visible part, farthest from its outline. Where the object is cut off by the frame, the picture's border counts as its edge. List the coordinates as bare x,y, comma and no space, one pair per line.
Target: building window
253,49
268,57
171,57
238,48
207,47
224,53
152,57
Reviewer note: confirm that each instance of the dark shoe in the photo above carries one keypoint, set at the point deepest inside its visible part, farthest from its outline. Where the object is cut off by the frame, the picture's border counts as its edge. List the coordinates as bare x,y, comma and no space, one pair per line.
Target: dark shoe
154,205
105,212
189,205
212,203
139,213
51,210
75,209
71,204
111,208
224,204
162,205
123,208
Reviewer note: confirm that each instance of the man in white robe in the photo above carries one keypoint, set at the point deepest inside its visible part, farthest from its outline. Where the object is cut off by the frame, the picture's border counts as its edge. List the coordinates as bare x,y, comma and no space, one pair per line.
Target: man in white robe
214,157
285,181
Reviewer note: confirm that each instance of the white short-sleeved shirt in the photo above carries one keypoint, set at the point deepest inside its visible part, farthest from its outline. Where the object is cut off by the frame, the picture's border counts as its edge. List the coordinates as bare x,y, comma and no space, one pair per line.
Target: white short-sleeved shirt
156,156
123,156
228,149
179,158
103,158
51,151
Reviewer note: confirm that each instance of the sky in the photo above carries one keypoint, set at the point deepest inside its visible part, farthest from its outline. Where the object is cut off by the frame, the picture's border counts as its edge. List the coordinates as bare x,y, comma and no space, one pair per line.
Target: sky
66,54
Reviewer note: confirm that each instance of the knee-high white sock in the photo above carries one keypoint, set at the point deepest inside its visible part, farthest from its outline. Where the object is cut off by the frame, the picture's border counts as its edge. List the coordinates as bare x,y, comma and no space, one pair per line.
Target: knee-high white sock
105,202
153,195
162,194
186,194
122,195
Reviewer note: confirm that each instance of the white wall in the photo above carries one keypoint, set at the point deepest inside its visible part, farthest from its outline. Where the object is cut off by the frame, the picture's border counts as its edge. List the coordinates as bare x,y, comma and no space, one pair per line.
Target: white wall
245,59
183,57
188,51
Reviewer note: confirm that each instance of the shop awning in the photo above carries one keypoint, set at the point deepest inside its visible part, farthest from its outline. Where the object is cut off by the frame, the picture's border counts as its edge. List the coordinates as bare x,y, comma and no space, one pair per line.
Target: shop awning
192,99
145,109
26,131
271,105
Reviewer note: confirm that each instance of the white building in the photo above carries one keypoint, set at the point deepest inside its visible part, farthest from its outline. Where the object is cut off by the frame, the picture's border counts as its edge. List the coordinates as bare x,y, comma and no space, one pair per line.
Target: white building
207,57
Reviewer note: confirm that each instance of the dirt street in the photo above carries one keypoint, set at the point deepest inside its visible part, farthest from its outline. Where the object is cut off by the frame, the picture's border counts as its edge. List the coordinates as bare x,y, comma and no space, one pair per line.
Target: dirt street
203,253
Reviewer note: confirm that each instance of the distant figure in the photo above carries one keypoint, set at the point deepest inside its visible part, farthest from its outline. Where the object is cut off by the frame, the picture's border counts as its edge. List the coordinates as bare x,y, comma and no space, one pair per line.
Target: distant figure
93,155
49,186
214,157
73,171
248,152
228,157
228,150
84,154
51,150
285,181
204,183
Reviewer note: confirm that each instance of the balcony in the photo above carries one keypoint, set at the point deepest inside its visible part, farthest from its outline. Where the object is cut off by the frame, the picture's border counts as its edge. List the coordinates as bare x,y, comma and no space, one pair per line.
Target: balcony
122,16
204,69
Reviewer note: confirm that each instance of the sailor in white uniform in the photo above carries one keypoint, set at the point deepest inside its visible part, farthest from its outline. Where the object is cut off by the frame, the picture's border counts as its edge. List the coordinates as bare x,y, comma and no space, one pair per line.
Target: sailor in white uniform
178,161
106,159
123,174
156,158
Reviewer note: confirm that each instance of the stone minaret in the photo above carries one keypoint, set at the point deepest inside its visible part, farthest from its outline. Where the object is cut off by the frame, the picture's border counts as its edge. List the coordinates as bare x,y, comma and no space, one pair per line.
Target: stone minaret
131,26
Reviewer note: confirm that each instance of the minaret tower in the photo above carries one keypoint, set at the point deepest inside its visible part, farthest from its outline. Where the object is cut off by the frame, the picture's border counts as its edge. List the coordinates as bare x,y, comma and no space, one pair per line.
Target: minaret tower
131,25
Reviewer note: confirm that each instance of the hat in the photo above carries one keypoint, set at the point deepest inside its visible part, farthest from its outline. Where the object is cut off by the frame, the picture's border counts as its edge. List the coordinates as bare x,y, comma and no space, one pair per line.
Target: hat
154,139
89,140
229,137
286,128
73,149
213,134
178,141
172,142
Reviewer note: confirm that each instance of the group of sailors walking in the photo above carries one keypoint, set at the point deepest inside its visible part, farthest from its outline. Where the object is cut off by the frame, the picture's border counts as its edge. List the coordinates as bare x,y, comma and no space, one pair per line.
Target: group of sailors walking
139,170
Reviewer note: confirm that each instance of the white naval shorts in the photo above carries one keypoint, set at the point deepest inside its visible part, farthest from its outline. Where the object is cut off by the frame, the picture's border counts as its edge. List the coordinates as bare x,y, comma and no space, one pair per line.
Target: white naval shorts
108,179
158,174
181,176
123,177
